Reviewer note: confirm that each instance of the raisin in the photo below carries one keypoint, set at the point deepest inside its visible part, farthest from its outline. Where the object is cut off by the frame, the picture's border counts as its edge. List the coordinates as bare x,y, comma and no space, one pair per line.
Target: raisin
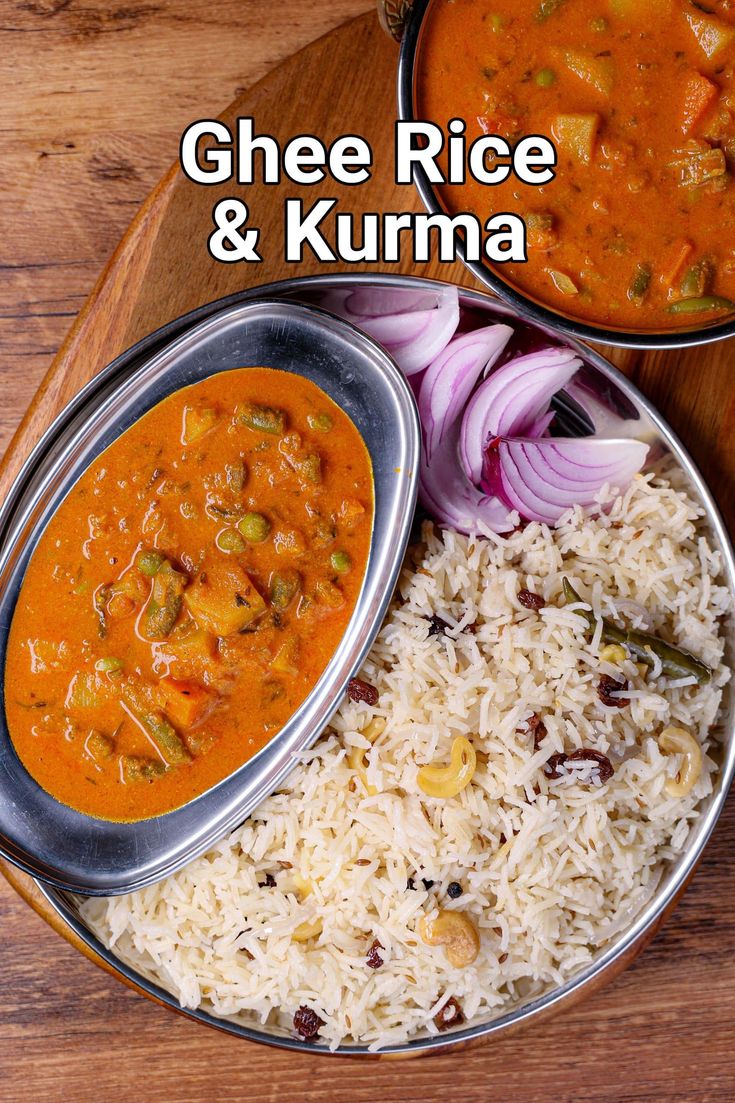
552,766
307,1023
454,890
357,690
605,767
437,626
450,1015
538,729
374,959
529,600
608,685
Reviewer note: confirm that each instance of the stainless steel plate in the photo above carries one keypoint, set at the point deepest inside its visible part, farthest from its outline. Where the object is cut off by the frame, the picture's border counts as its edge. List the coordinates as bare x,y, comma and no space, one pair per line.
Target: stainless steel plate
73,850
616,391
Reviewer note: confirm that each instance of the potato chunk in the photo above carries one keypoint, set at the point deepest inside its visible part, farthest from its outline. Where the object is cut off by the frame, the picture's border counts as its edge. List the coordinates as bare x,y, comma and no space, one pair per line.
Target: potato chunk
712,34
595,71
576,134
223,599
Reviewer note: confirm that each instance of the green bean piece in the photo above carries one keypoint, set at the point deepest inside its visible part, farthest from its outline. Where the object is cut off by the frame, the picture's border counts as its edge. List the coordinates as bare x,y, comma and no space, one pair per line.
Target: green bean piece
322,423
254,527
675,663
166,738
101,597
696,280
149,563
545,78
341,562
262,419
99,745
141,769
701,305
165,602
547,8
230,541
109,665
235,474
285,585
640,284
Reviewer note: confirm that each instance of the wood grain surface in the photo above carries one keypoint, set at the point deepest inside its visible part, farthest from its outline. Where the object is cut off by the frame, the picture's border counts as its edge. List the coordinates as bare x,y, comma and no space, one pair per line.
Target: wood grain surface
98,99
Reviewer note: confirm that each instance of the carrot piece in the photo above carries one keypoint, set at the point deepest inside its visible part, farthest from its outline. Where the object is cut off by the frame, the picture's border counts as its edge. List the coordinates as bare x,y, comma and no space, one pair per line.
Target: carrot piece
673,265
185,703
699,97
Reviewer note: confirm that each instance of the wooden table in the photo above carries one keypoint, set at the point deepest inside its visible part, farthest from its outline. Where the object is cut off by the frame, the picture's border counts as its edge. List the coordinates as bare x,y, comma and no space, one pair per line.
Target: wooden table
94,102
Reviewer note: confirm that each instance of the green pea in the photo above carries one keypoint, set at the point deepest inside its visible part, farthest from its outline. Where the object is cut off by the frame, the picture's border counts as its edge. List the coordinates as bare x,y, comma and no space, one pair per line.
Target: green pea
254,527
321,422
545,78
149,563
108,665
341,562
230,541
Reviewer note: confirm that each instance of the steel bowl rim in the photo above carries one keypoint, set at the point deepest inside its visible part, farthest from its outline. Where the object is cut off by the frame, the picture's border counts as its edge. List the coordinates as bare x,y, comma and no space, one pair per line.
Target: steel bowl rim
537,312
662,901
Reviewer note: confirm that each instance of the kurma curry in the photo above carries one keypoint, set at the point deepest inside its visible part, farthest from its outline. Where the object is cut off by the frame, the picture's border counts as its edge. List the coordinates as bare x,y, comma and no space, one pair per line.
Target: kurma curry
638,96
188,593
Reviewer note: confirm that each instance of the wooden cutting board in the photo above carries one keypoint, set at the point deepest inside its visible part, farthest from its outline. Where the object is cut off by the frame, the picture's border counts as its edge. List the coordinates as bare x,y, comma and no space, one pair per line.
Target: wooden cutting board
662,1031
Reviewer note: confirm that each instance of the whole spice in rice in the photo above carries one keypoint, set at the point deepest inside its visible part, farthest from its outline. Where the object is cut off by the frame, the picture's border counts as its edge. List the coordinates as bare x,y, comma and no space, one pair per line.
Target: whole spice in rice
554,765
454,890
437,626
607,686
450,1015
529,600
307,1023
357,691
374,960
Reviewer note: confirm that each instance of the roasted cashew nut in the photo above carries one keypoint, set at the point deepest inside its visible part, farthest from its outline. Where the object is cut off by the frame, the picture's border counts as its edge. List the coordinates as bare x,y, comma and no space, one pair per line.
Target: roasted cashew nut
447,781
456,933
680,741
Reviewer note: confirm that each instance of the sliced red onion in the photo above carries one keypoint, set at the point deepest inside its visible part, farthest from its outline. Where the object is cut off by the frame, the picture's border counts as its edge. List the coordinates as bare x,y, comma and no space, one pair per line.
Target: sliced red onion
544,478
414,327
605,419
450,497
450,378
514,401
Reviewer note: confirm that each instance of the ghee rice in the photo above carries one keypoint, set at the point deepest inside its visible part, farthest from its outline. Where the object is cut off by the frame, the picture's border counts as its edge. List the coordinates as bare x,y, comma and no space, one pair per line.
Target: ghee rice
550,868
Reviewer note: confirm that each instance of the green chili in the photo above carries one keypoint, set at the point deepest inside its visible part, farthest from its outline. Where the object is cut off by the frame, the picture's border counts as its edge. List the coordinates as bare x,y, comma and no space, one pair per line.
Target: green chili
675,663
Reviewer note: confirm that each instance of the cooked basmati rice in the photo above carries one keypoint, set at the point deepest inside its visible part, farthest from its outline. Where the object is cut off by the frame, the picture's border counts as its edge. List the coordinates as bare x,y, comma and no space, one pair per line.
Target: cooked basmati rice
546,865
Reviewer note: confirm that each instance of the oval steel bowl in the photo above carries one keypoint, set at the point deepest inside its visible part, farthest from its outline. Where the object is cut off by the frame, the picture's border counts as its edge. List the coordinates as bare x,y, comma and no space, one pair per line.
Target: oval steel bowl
76,851
414,24
615,389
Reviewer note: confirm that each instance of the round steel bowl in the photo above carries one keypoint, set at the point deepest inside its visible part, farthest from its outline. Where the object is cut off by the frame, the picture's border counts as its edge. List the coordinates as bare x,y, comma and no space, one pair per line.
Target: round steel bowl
414,23
609,960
